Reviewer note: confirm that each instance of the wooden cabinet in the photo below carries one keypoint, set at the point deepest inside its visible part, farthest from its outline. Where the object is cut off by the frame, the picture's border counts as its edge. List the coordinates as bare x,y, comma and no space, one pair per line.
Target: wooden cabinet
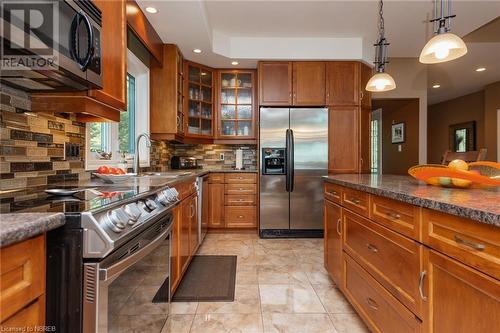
275,83
193,224
167,95
240,217
309,83
459,298
100,104
379,309
185,229
175,265
343,144
114,54
236,105
22,284
396,215
343,83
216,206
332,215
199,101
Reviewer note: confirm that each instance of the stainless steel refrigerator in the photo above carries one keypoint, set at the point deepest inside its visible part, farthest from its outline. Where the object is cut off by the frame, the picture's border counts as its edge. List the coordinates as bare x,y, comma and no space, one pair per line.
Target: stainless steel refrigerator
293,157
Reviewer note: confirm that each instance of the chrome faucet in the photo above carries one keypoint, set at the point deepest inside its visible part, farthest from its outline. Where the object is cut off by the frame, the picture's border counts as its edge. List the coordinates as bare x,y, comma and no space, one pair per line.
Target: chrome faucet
137,167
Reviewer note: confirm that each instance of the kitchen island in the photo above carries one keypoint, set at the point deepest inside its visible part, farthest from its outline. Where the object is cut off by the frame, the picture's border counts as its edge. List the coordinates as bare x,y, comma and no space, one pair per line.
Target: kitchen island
412,257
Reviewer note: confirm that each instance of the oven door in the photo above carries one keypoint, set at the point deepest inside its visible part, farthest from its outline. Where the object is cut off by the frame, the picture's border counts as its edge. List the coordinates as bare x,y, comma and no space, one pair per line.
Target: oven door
129,290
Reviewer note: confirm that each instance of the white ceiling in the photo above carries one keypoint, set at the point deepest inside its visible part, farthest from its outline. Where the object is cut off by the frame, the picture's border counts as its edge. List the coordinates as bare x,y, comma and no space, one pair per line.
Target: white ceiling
247,31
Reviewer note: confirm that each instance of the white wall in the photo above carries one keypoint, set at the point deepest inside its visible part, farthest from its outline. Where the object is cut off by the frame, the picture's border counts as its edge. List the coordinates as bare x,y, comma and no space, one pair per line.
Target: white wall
411,82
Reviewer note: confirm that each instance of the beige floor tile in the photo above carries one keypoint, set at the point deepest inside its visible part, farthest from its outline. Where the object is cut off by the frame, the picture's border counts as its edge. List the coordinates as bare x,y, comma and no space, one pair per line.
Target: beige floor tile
318,275
227,323
246,274
332,299
297,323
136,323
348,323
183,307
289,298
177,323
268,274
276,258
273,244
246,300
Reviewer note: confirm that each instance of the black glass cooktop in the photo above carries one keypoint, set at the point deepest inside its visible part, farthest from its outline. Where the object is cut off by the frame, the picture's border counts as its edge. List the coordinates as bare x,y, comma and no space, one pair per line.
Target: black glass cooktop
90,199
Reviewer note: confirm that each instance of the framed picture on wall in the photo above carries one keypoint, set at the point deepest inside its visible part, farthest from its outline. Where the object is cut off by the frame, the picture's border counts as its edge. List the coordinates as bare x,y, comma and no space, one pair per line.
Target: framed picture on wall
398,133
463,137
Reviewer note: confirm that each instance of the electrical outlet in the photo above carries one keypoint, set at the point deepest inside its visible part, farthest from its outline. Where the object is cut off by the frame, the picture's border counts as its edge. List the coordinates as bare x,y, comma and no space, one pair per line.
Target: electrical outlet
221,156
400,148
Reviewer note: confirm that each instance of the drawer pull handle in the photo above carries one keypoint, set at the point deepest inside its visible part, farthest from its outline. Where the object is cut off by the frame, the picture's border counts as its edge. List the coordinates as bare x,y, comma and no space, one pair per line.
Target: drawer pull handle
332,192
372,303
240,216
356,201
372,248
338,227
475,246
392,215
421,285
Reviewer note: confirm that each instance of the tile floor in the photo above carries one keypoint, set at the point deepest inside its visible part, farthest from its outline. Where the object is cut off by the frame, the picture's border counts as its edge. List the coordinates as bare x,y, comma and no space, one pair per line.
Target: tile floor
281,286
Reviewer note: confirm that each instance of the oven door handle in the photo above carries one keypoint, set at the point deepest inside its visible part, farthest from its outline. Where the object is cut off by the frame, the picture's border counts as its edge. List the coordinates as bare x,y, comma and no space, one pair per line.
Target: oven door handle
117,268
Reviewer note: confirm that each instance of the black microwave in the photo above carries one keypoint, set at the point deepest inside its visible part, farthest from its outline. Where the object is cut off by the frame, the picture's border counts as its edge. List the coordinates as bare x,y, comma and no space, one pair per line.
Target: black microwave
70,35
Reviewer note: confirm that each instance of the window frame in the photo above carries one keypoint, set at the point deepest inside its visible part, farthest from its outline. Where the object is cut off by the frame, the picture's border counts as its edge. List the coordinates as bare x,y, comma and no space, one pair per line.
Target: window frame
140,72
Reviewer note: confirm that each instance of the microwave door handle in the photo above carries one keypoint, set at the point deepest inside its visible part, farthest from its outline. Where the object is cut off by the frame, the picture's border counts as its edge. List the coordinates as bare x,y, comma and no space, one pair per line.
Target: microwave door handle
74,43
120,266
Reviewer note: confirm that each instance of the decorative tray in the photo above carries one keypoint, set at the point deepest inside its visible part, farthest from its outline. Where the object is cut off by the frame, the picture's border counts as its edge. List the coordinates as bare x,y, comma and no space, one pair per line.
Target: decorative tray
475,174
111,179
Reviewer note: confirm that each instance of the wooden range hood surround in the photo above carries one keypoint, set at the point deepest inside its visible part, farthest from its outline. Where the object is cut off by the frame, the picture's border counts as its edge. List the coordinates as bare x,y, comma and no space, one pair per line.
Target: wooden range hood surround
87,108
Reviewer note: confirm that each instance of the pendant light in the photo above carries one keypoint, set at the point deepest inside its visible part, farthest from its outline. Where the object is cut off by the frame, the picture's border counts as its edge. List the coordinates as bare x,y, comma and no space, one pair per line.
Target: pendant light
445,46
381,81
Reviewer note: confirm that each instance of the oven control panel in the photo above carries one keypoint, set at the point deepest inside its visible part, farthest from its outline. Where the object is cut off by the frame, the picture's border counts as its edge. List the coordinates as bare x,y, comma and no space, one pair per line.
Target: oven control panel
106,230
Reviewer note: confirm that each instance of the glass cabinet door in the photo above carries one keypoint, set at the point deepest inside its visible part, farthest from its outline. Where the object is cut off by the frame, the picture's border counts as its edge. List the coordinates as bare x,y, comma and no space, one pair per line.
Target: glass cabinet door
199,100
236,104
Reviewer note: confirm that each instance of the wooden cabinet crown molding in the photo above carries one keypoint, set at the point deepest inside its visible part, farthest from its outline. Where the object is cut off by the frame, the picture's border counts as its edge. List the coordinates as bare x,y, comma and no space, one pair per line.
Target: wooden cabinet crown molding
140,26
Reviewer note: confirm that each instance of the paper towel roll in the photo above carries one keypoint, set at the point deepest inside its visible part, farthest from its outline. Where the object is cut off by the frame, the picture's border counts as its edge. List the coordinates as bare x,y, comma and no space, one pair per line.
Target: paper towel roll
239,159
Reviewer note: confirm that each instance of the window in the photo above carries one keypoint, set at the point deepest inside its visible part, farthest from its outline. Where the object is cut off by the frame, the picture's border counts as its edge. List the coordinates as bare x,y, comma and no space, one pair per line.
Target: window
376,142
118,138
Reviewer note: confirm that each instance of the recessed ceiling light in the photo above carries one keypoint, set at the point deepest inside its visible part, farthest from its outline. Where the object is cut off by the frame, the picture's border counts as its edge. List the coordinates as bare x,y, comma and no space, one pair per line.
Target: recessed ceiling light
480,69
436,86
197,51
151,10
234,63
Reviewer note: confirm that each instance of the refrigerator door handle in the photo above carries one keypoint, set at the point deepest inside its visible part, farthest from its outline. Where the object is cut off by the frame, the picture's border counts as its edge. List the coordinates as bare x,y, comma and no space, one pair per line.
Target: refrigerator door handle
287,161
290,160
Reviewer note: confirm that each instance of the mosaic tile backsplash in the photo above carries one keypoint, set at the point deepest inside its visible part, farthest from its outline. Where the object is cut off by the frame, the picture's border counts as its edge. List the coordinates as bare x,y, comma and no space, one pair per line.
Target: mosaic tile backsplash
32,144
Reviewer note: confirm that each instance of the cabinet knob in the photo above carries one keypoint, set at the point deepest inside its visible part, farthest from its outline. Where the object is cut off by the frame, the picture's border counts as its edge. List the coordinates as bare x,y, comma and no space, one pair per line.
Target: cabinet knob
372,248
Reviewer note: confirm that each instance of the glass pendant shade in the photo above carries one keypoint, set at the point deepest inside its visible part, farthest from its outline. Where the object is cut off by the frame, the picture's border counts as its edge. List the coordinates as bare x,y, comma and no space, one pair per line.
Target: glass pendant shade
380,82
441,48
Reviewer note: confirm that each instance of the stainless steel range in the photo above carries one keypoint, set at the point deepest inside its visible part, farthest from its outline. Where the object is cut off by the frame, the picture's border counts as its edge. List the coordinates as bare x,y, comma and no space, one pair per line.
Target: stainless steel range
112,259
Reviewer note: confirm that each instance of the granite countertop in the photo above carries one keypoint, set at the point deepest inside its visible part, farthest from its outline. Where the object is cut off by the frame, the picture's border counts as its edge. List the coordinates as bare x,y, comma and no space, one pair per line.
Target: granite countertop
482,205
17,227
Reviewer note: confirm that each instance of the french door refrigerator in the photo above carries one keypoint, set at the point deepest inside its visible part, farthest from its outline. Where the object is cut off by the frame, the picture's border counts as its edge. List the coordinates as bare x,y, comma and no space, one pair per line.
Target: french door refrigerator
293,157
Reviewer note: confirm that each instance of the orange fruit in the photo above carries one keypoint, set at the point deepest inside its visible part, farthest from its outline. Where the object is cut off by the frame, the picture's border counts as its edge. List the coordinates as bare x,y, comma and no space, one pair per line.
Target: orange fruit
458,165
460,182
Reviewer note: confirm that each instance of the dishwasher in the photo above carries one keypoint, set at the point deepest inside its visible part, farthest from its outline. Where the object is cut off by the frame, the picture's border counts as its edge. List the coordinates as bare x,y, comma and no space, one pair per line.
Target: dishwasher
202,187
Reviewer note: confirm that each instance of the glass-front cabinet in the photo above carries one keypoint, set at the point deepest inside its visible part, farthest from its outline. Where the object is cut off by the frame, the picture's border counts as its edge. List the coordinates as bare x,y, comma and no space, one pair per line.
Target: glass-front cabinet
199,100
236,107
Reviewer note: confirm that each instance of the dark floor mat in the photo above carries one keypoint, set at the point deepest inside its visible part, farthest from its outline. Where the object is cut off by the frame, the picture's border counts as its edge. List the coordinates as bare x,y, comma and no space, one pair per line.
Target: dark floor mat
208,279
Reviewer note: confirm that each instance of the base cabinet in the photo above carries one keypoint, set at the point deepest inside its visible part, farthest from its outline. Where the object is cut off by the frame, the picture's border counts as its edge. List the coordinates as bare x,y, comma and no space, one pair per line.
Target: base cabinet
175,267
460,298
216,206
332,215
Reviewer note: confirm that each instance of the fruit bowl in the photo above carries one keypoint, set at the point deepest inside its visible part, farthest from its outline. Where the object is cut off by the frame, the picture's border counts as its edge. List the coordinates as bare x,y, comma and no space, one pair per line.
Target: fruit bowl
475,174
111,179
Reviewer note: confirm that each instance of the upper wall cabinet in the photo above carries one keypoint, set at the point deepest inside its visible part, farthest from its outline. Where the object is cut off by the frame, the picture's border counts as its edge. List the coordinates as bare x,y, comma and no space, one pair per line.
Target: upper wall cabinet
345,83
167,96
308,83
275,83
199,103
106,103
236,104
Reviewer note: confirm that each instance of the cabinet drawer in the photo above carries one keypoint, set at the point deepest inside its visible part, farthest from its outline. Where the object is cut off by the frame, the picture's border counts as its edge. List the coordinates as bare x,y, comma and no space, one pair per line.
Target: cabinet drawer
22,275
240,200
396,215
185,189
393,260
473,243
240,178
356,201
241,189
380,310
332,192
28,319
216,178
240,217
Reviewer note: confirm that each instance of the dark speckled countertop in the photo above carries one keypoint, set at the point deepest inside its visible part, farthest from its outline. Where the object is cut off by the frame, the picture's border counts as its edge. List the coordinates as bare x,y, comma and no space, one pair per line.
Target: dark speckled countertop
20,226
481,205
